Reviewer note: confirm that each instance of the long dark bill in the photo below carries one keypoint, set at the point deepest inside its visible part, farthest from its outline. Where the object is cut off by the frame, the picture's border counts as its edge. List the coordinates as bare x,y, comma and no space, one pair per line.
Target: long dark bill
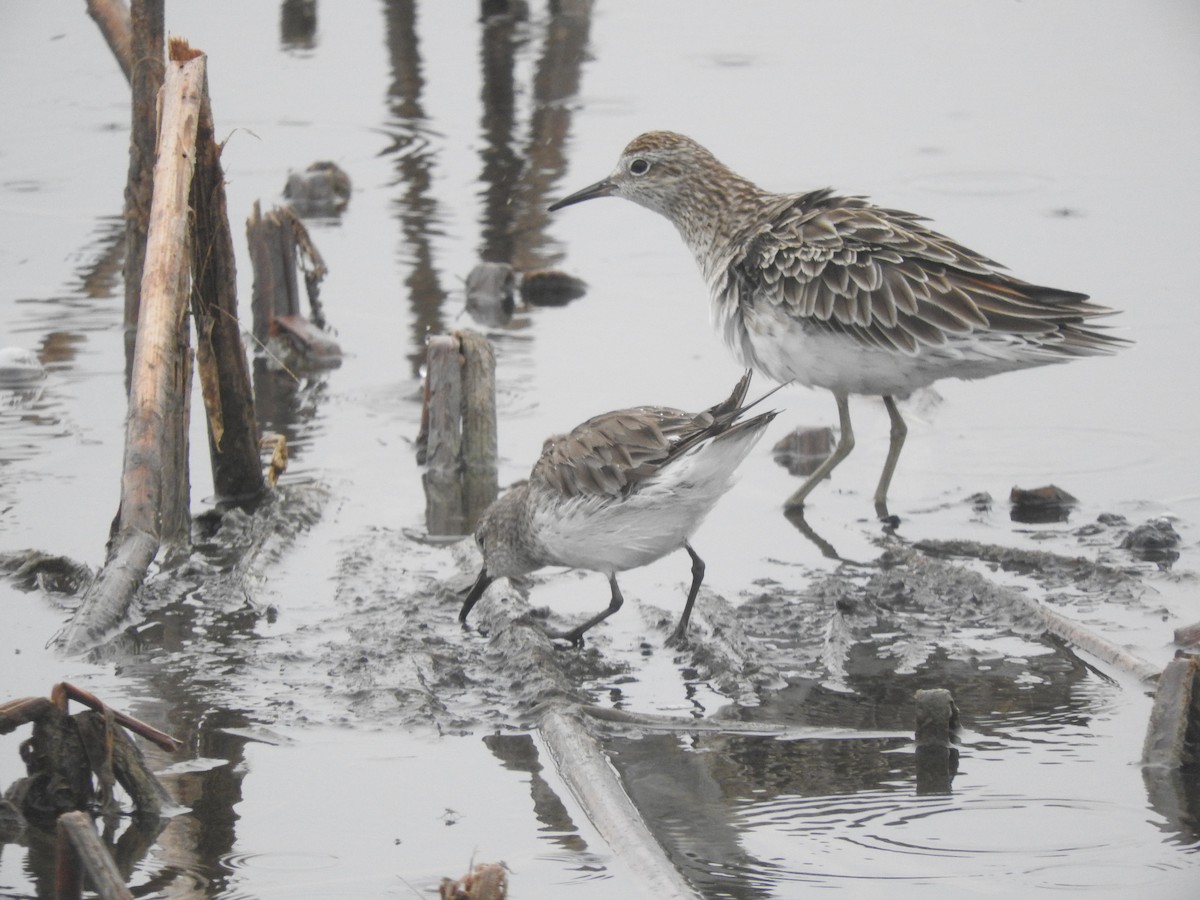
591,192
473,595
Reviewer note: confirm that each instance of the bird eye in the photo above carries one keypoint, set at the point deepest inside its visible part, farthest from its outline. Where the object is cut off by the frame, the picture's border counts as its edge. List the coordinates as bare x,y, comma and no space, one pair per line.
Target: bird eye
639,166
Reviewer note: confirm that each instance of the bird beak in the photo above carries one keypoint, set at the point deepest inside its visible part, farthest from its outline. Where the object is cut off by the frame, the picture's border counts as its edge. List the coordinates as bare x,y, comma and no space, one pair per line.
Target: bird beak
603,188
477,589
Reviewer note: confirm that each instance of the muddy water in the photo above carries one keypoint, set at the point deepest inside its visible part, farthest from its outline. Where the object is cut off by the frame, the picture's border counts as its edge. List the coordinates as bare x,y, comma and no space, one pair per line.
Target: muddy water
344,737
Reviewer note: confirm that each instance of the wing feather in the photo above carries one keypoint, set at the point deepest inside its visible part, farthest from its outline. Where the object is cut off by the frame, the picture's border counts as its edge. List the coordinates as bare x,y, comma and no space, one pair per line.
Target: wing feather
885,278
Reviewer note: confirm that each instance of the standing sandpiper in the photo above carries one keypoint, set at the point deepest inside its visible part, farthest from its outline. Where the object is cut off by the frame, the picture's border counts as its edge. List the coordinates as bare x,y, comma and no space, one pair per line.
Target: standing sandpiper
835,292
620,491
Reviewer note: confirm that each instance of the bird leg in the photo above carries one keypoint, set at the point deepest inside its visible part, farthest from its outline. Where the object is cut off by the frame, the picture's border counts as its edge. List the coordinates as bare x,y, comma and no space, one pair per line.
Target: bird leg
679,636
841,451
575,635
899,432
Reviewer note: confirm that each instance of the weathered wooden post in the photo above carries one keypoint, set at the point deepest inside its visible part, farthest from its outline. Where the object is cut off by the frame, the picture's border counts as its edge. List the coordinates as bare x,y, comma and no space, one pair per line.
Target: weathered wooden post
457,443
278,242
220,353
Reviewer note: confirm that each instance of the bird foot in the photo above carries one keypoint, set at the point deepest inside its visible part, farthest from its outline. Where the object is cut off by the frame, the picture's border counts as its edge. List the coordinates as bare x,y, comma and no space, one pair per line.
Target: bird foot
678,640
574,638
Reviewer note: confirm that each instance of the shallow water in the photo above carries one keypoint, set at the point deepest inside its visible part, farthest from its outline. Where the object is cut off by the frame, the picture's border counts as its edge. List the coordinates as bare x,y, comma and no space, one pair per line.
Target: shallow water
344,738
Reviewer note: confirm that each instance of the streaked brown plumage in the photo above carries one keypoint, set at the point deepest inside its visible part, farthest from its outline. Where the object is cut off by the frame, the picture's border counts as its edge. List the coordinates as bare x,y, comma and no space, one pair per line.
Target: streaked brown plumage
835,292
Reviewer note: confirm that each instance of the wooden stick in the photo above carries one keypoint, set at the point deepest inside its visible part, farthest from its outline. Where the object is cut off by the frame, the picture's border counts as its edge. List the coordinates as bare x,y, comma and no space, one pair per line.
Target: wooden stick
87,698
158,363
16,713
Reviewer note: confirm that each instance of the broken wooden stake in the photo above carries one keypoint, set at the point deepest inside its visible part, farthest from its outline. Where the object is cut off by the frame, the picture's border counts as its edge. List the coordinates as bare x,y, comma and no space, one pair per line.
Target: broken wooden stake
279,246
937,731
457,443
1173,733
220,353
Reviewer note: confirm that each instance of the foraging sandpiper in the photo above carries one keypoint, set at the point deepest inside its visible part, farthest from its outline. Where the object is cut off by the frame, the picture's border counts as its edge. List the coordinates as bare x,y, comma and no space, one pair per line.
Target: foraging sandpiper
620,491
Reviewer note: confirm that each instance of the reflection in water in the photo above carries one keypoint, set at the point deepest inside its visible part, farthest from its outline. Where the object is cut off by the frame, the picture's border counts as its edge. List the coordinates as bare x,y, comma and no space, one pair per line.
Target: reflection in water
556,80
101,278
1175,795
519,753
687,805
501,35
416,209
287,403
516,186
298,24
715,800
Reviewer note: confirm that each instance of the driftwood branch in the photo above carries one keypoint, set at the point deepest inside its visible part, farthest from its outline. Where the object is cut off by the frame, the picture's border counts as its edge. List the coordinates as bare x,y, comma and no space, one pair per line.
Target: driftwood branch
154,482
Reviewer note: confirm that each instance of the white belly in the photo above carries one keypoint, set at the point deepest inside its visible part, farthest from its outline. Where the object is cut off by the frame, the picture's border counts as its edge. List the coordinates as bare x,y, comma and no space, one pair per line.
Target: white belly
781,347
606,533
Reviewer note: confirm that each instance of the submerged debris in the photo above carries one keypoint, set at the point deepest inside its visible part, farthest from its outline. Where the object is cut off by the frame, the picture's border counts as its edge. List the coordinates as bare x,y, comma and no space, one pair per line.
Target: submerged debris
323,189
1153,541
487,881
73,761
1038,506
491,289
